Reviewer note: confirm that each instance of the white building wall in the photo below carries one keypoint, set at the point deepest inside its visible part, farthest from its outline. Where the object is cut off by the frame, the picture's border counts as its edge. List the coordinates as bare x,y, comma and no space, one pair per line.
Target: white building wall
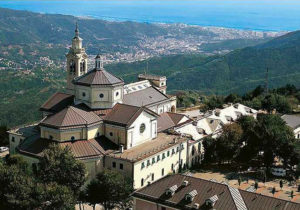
150,128
144,170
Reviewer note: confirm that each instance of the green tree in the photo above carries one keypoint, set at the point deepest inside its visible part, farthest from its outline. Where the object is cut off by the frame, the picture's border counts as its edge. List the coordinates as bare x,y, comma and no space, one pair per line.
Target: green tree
110,189
276,102
209,145
3,136
229,143
16,188
59,165
53,196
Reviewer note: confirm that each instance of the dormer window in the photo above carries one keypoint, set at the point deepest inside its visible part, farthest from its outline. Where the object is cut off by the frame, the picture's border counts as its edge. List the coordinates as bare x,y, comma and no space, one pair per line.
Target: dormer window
189,197
171,191
211,201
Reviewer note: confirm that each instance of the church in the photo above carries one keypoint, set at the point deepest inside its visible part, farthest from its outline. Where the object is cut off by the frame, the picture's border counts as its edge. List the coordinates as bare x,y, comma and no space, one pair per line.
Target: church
109,124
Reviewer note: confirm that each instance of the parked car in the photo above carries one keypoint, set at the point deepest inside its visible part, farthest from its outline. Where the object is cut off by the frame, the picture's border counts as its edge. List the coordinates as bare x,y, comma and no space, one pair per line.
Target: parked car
3,149
278,172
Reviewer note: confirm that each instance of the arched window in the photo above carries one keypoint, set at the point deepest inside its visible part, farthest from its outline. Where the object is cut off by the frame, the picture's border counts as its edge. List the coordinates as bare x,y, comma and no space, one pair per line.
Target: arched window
81,67
72,66
72,138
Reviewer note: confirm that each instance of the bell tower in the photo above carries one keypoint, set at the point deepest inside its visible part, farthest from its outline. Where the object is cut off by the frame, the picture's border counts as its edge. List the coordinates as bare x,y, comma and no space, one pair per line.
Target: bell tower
76,61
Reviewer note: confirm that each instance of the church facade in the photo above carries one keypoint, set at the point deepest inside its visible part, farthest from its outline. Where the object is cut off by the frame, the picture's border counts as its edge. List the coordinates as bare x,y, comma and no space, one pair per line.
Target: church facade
109,124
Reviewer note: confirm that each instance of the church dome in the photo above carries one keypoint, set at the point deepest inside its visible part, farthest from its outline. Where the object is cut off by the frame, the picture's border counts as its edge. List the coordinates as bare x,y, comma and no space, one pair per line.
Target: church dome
98,77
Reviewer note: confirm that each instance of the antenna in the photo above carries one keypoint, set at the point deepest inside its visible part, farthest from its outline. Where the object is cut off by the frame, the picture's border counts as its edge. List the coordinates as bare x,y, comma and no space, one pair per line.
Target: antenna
267,82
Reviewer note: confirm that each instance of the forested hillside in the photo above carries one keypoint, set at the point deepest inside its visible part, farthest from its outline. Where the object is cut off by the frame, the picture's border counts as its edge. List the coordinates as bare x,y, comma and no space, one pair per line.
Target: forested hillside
235,72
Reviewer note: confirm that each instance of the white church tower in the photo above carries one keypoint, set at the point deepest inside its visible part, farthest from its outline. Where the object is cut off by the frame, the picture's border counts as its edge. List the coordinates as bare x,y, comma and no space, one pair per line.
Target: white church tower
76,61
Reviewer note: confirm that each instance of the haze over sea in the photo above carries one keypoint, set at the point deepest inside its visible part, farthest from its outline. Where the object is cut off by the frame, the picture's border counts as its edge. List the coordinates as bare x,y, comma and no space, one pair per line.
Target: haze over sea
261,15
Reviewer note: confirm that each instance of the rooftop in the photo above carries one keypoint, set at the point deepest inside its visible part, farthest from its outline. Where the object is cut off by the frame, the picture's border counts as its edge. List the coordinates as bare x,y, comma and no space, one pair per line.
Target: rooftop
98,77
169,120
125,115
71,117
147,149
292,121
150,76
81,149
144,97
228,198
57,102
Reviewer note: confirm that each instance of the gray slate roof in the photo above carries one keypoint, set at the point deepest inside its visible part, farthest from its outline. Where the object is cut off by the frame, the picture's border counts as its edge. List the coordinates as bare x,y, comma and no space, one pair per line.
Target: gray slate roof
292,120
144,97
98,77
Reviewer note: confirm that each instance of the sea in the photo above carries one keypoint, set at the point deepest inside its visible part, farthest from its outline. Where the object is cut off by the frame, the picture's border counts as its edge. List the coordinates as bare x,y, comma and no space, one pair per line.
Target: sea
256,15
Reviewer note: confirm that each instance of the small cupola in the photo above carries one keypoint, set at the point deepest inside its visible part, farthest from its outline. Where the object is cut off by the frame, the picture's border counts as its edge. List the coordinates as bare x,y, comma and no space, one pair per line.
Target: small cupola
98,62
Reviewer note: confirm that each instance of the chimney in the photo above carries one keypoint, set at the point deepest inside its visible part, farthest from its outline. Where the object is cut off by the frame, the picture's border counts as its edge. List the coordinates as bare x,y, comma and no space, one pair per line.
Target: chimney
185,183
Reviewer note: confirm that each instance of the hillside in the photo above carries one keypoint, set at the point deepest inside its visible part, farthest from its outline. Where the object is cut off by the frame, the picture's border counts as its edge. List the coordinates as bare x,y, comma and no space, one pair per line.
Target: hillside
124,41
237,72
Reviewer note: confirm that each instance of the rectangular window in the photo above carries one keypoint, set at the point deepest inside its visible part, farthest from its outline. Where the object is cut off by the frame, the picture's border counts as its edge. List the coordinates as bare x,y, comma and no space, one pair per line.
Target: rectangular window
153,160
158,158
168,153
173,151
121,166
114,164
148,162
163,156
143,165
13,139
163,172
152,177
177,149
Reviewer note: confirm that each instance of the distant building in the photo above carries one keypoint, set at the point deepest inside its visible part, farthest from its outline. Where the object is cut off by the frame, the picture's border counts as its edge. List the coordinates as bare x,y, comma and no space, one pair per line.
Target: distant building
180,192
293,121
